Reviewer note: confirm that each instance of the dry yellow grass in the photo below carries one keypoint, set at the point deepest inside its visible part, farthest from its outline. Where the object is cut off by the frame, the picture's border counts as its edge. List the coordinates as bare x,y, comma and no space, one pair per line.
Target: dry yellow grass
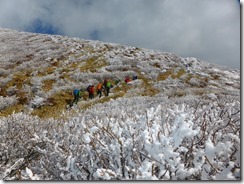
18,80
92,64
65,75
199,92
149,90
121,87
9,110
57,104
165,75
179,73
157,65
87,104
48,85
171,73
178,93
46,71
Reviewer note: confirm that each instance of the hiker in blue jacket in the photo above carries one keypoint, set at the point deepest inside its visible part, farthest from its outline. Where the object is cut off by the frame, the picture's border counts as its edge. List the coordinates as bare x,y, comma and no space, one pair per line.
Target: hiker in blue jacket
77,95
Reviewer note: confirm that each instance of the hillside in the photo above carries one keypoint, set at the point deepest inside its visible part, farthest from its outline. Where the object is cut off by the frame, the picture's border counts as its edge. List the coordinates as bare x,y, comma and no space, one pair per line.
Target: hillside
42,70
38,74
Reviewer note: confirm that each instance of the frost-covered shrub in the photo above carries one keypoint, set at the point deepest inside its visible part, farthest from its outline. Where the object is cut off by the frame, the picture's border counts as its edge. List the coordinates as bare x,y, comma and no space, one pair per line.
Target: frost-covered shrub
7,101
5,80
131,62
118,67
179,142
36,87
3,72
37,102
11,91
194,82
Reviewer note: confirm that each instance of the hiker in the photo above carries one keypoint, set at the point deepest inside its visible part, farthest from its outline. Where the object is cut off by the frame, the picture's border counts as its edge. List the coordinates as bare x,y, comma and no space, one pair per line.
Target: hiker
99,89
188,66
127,79
105,86
77,95
134,77
90,90
108,86
105,83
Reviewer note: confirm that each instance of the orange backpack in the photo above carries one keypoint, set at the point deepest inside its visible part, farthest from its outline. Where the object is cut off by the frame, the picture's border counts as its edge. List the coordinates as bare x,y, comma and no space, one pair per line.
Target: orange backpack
99,86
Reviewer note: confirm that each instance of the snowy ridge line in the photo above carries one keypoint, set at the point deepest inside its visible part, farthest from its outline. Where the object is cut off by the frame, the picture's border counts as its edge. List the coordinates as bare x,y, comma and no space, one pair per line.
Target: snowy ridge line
178,142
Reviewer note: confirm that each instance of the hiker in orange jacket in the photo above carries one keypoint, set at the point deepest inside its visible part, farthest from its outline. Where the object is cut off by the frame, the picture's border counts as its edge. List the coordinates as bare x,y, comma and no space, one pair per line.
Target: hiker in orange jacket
99,89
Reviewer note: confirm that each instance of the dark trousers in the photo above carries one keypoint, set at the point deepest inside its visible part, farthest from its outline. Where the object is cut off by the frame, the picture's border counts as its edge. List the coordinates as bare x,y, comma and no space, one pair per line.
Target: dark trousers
76,99
91,95
107,91
99,92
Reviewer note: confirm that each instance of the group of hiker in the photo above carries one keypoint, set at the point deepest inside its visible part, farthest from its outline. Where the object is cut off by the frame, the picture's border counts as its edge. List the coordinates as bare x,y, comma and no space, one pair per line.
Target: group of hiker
106,85
101,87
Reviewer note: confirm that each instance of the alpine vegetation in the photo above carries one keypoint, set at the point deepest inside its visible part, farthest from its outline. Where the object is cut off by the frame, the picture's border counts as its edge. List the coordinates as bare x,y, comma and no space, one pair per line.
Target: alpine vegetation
162,117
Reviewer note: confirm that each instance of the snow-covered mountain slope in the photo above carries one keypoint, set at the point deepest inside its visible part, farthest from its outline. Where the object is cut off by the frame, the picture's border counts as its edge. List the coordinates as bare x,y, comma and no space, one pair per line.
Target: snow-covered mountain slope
42,70
179,120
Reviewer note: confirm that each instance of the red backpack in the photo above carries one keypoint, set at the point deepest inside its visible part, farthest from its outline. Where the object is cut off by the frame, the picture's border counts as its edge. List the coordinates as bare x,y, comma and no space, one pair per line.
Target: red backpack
127,79
92,89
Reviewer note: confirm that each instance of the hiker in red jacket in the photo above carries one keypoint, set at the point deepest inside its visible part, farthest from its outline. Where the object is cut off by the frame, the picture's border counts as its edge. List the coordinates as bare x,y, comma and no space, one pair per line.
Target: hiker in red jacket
127,79
91,91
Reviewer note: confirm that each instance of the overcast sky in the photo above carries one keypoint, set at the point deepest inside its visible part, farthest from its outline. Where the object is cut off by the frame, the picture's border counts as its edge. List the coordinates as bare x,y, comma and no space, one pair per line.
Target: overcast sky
206,29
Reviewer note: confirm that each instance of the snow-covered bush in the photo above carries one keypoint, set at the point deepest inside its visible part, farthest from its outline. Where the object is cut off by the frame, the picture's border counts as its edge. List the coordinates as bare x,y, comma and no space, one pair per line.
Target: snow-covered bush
11,91
7,101
3,72
37,102
4,81
179,142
